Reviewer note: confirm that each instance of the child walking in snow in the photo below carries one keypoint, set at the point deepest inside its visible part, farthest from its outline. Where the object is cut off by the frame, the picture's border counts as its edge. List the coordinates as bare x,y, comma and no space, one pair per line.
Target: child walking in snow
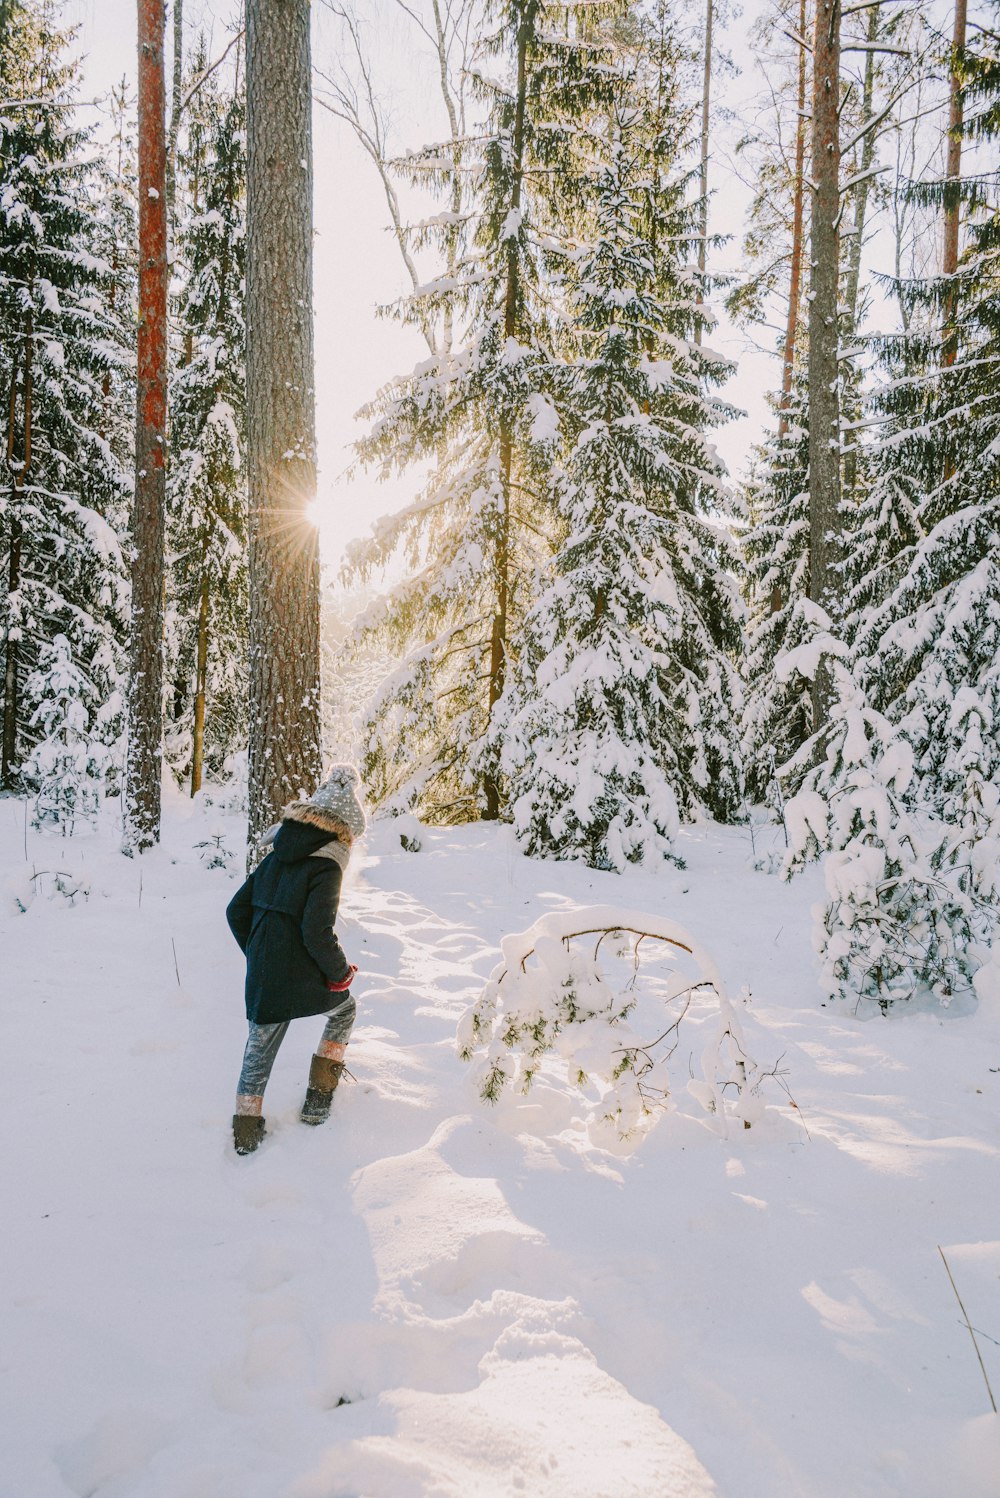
283,919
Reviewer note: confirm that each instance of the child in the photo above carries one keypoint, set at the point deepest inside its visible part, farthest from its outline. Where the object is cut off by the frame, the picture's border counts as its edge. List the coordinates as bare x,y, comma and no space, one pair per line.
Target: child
283,919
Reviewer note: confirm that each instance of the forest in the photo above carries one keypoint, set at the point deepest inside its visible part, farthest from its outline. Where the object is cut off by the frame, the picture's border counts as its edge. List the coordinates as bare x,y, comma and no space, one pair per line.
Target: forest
627,810
591,630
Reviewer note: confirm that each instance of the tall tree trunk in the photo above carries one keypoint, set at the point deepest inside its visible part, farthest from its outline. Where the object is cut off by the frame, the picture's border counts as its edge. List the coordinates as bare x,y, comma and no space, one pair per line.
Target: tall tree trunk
18,462
824,394
284,550
952,194
853,287
798,233
175,103
706,99
12,663
145,750
795,267
200,681
501,560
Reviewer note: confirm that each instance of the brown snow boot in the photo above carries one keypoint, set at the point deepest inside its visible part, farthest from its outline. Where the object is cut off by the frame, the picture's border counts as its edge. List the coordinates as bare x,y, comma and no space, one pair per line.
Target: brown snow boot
324,1075
248,1131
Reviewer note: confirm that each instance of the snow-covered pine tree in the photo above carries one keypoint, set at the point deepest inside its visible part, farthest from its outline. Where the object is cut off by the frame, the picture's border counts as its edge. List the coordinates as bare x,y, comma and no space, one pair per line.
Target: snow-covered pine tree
206,492
484,413
622,702
778,716
774,547
970,804
67,766
65,361
880,536
937,631
897,921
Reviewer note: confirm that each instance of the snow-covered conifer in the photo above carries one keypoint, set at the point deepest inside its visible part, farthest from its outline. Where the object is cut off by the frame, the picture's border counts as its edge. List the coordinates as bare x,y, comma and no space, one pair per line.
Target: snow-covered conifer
896,921
484,413
65,362
774,548
937,629
622,704
206,495
67,766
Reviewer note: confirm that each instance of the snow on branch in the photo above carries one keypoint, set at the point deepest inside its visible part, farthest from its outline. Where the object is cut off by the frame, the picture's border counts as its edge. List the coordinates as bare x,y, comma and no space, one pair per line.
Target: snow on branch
570,987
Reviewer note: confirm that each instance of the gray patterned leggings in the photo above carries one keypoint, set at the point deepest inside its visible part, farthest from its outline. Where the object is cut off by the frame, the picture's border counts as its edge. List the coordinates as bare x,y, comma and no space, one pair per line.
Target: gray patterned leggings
264,1041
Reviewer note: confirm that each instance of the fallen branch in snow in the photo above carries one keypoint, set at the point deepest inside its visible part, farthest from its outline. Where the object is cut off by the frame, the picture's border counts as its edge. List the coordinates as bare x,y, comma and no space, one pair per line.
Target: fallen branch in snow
965,1317
549,996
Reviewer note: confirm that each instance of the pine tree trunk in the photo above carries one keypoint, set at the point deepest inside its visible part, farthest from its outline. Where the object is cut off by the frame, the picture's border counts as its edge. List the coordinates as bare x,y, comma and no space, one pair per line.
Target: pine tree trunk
498,641
798,234
795,268
19,462
824,395
284,551
200,684
145,751
706,97
175,103
853,288
11,693
953,174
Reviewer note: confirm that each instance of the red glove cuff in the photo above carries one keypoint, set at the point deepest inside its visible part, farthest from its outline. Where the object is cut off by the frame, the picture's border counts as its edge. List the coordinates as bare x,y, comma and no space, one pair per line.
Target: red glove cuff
345,983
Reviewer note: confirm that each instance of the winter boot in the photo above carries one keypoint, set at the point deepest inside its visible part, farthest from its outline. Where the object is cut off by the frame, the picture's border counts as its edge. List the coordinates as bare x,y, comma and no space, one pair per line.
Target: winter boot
324,1075
248,1131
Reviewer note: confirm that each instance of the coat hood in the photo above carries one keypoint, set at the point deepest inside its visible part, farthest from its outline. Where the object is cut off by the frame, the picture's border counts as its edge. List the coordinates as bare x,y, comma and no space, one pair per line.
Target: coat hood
309,814
296,839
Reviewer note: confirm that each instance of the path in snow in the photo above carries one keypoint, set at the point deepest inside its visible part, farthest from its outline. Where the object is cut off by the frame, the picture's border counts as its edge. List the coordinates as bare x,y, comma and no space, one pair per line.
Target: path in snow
429,1298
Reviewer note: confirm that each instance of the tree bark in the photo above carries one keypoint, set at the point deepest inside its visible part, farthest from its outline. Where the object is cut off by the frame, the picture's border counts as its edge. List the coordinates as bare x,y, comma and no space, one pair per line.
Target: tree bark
953,175
706,99
501,561
200,683
824,392
19,462
175,103
284,552
11,693
145,751
853,288
798,234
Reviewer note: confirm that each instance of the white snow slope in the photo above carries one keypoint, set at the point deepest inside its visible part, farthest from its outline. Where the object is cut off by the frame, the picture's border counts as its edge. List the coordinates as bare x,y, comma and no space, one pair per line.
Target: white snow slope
428,1298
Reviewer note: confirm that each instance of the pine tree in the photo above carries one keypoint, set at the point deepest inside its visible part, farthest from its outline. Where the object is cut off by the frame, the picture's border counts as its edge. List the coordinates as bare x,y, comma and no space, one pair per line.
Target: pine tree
485,414
897,921
620,707
207,504
68,765
64,360
777,715
774,544
937,630
284,746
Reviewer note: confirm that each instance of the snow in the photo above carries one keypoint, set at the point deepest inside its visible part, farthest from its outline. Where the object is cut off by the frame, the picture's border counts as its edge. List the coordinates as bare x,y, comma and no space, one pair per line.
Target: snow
431,1297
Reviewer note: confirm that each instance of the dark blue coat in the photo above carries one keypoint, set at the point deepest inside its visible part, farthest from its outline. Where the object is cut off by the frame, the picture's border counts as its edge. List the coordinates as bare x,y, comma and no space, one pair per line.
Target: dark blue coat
283,919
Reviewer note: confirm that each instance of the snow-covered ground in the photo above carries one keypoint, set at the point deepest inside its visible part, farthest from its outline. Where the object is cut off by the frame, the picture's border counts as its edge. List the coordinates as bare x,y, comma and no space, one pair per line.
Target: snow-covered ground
429,1298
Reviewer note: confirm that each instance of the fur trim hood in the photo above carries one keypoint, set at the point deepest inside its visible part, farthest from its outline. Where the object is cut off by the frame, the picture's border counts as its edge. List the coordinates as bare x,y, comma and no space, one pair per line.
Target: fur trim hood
317,816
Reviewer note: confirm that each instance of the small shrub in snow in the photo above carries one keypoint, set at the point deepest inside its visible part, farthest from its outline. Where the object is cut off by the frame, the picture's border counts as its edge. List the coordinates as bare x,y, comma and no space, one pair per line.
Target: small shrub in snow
215,852
555,994
68,766
18,893
897,920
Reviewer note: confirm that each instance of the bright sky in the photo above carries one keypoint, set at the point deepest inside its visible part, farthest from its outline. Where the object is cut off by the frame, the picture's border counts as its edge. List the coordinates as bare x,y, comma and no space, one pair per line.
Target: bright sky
357,262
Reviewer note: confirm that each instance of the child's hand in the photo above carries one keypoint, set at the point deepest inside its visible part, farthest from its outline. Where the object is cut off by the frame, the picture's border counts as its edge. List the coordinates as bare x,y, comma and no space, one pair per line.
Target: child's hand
345,983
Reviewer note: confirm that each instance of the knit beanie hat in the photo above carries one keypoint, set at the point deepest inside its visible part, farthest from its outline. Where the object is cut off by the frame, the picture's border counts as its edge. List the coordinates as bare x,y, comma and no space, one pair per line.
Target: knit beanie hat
338,798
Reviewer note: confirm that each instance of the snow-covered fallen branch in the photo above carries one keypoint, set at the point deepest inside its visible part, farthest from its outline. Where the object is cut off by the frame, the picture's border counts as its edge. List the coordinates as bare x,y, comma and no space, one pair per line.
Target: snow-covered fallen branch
569,986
